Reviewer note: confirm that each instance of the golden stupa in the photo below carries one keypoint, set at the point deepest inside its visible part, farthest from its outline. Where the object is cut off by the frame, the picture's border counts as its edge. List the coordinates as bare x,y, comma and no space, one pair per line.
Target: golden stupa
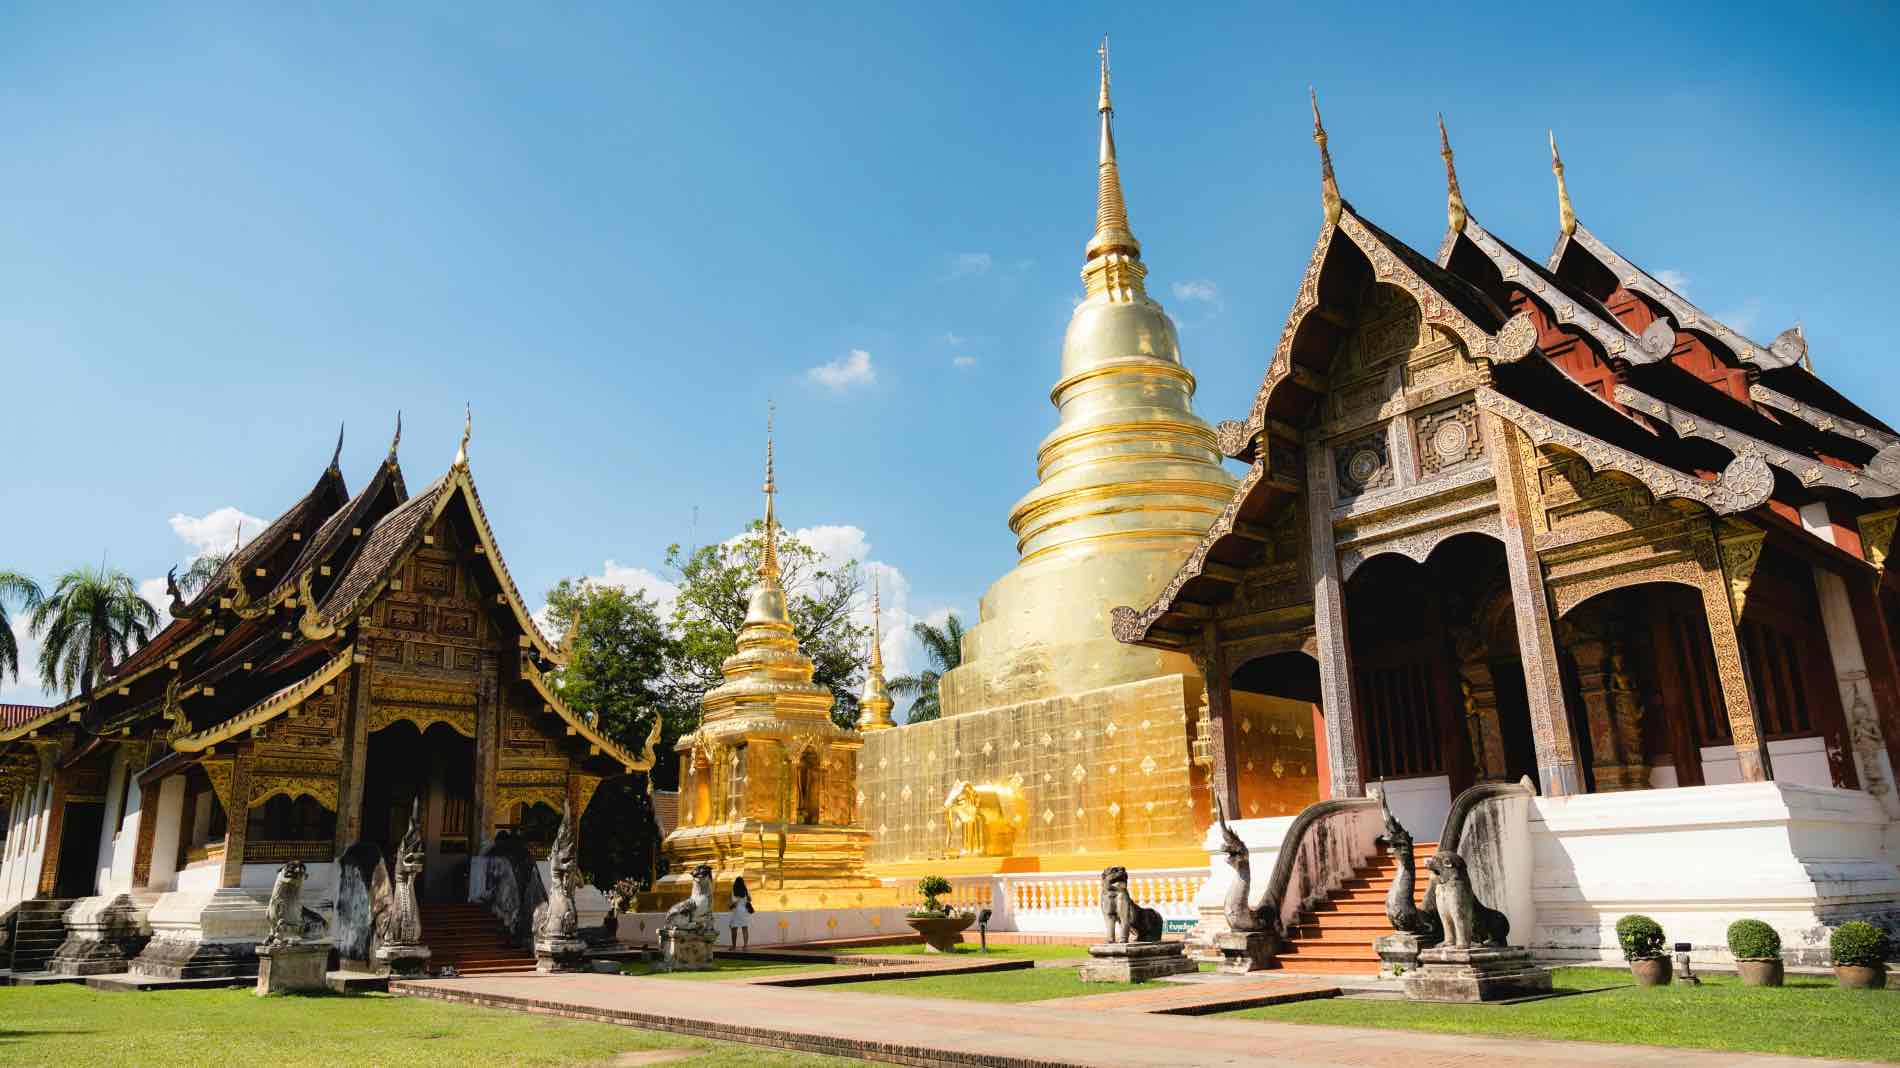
768,783
1065,740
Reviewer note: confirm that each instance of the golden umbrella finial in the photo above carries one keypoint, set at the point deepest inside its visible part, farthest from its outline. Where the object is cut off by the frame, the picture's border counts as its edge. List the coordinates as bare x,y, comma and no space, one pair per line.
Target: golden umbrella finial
768,562
1565,212
1112,259
877,625
1328,185
1454,198
468,428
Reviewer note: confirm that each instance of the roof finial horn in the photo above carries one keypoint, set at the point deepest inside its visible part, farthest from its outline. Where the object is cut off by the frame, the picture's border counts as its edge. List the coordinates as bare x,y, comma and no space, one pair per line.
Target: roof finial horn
1328,185
1454,198
468,429
1565,212
337,457
396,441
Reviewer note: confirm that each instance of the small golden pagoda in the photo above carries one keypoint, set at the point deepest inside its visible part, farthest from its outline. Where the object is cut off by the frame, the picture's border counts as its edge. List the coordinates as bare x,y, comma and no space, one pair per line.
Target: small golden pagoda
875,703
768,782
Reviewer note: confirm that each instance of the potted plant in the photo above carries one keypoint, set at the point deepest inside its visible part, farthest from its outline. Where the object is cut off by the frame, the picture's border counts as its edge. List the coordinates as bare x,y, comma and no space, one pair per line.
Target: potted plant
1642,942
940,927
1757,951
1859,952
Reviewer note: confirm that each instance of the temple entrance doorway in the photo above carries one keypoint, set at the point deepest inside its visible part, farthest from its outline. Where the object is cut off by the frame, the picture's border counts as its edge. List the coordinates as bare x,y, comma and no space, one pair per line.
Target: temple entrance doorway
438,766
1437,679
79,832
1275,753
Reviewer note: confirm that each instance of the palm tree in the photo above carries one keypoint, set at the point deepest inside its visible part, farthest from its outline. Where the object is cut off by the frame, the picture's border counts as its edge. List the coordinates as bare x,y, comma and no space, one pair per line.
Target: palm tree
92,619
944,646
202,570
14,587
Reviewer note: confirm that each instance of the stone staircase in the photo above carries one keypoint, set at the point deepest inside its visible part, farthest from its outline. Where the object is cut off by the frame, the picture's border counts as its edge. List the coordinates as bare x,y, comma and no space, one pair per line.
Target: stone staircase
468,938
1336,937
38,929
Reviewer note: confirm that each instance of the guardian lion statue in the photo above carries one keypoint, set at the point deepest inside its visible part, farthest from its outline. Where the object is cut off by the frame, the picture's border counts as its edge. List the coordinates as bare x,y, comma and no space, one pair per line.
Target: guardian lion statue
696,911
289,921
1467,921
1126,921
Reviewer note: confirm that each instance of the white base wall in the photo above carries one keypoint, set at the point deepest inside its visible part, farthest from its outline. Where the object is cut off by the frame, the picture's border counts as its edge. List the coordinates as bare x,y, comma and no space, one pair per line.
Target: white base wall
1802,858
782,928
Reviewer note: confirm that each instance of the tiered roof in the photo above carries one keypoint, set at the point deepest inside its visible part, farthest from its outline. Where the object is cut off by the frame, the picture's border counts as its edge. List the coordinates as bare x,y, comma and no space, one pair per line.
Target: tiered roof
1588,351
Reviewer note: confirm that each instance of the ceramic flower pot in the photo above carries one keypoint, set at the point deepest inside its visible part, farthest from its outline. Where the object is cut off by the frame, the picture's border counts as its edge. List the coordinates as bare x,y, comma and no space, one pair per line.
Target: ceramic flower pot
1861,976
1652,971
941,933
1759,971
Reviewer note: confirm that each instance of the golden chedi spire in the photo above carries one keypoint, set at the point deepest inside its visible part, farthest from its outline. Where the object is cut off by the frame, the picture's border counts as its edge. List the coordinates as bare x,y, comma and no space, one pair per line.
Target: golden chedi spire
875,702
1127,482
1454,199
1113,256
1566,213
1328,185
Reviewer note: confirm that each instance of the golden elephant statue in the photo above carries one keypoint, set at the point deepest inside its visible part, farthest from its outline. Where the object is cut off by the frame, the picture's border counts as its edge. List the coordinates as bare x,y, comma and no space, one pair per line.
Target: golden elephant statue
980,819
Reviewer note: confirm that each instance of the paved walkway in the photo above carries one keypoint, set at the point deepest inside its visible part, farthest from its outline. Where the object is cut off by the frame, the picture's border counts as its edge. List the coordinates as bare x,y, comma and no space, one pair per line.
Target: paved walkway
1201,994
934,1031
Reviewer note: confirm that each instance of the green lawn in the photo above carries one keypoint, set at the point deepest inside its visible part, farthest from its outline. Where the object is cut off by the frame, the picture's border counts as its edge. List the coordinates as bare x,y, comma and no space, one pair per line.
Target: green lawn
726,968
1810,1017
193,1028
1027,984
1006,952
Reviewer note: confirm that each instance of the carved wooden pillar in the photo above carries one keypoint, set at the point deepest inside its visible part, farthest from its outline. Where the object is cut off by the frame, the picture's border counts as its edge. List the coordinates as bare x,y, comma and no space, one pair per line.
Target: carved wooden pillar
1610,704
148,829
1738,547
1877,637
236,798
1556,751
490,720
1329,624
1219,711
355,728
55,824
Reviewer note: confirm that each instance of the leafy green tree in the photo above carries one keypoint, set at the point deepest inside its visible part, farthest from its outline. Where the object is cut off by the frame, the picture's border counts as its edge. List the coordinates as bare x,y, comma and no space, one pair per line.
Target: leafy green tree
944,646
619,671
26,593
202,570
715,585
93,618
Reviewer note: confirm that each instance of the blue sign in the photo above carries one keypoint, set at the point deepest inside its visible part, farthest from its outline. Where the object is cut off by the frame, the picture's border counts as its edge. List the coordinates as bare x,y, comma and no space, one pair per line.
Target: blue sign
1177,926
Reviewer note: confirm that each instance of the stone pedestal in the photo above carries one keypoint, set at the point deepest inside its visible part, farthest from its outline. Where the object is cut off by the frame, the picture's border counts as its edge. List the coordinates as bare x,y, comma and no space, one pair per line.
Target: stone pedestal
291,967
1135,962
1475,973
561,953
1398,954
687,949
103,935
403,960
1244,951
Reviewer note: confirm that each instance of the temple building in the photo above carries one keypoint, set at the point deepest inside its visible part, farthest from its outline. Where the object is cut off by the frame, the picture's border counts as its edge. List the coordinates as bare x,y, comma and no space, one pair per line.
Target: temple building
1077,744
768,783
361,652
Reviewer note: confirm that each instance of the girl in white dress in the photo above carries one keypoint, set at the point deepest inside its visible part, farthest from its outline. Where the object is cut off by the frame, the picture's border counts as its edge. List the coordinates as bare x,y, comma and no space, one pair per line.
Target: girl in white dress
740,919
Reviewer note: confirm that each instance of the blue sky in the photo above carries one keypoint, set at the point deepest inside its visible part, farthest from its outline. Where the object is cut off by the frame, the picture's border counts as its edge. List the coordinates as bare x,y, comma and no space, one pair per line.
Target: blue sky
618,230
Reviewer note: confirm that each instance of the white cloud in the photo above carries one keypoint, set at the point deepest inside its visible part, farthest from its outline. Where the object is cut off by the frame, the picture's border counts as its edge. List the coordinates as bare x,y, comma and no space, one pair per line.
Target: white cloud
953,340
963,362
1197,289
1742,318
846,371
215,531
1674,279
27,690
965,264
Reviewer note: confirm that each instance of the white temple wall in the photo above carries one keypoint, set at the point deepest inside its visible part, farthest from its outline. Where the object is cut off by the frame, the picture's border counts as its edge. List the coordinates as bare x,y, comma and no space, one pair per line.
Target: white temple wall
26,847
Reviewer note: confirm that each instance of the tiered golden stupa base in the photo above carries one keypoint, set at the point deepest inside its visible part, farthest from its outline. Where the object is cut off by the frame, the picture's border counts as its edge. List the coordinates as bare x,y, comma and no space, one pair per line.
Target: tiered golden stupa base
785,867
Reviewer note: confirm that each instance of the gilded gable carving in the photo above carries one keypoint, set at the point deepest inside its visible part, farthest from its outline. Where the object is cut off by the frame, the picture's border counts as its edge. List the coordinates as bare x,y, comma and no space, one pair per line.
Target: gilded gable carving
1363,464
1448,438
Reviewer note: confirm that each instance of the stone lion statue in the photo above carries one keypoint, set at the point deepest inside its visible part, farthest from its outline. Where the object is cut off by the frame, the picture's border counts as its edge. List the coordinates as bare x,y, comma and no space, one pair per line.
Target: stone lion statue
696,911
1126,921
289,921
1467,921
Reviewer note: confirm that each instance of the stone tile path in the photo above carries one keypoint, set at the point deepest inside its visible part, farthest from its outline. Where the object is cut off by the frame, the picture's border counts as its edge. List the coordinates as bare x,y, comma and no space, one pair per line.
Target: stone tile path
1207,993
936,1031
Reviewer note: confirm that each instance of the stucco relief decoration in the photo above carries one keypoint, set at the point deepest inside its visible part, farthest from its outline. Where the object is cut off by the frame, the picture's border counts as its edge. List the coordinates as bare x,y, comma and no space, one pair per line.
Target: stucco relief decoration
322,789
1232,437
1448,438
1517,338
1363,464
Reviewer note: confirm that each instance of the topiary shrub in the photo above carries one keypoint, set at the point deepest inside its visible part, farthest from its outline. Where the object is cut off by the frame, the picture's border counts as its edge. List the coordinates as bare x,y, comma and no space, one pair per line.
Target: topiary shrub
1640,937
933,887
1858,942
1753,940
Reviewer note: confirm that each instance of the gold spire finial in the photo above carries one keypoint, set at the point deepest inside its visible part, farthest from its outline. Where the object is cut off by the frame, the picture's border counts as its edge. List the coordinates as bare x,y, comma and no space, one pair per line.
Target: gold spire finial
1112,259
768,562
1328,186
1454,199
1565,212
468,428
397,440
875,703
877,625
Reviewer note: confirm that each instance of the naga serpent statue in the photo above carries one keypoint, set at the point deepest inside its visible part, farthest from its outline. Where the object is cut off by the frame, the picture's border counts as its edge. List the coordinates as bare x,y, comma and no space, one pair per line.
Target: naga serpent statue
1400,911
403,924
556,917
1240,915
